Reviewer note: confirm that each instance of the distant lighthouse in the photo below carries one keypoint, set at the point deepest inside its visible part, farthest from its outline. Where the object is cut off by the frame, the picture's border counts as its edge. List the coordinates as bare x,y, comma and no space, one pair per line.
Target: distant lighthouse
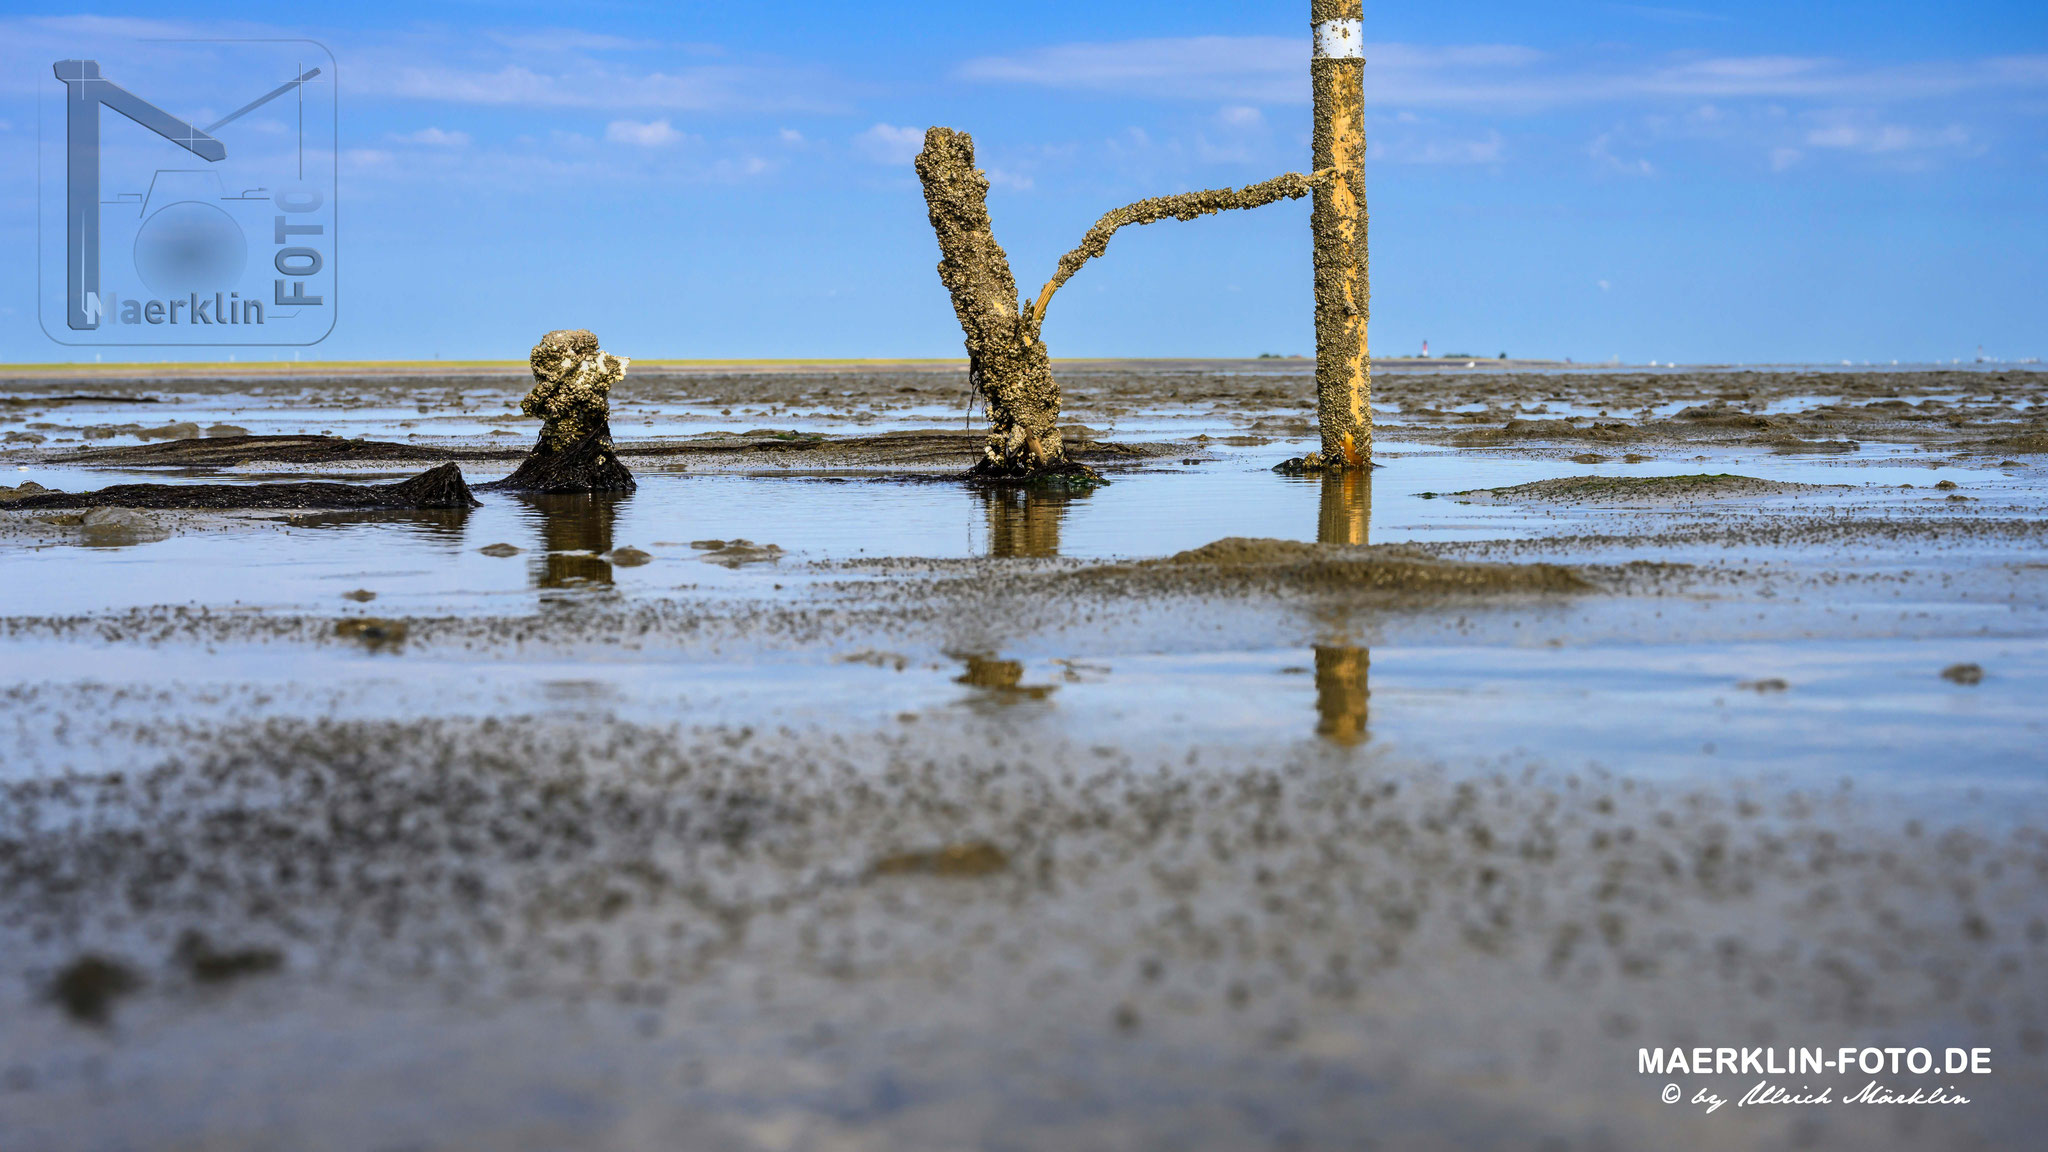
1425,349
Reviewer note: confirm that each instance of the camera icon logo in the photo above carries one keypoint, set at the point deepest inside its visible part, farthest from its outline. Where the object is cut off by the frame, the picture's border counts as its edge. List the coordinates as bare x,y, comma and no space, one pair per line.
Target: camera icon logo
188,195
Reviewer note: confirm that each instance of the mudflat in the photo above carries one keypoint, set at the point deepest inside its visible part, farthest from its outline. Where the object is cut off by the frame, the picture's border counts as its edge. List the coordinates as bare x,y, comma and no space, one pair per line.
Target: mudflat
811,796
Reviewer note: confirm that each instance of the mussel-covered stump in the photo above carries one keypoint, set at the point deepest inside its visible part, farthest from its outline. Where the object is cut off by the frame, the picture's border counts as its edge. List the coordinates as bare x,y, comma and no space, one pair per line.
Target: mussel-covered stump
572,384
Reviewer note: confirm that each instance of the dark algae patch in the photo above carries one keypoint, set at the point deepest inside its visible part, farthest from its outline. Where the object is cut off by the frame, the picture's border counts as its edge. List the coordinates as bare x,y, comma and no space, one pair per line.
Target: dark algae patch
234,451
1385,569
439,487
1626,489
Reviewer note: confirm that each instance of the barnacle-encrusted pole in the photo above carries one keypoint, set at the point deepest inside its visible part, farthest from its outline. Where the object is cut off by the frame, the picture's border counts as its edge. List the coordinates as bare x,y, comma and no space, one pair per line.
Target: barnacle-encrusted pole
1338,223
1006,358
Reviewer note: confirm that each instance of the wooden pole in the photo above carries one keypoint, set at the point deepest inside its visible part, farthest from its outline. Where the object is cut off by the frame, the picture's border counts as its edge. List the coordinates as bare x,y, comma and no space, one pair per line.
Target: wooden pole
1343,293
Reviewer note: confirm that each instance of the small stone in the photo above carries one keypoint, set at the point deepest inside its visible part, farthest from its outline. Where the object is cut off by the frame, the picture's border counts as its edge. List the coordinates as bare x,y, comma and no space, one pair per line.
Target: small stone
88,986
360,595
1946,485
1965,674
118,527
738,552
972,858
210,965
499,550
628,557
372,632
1760,687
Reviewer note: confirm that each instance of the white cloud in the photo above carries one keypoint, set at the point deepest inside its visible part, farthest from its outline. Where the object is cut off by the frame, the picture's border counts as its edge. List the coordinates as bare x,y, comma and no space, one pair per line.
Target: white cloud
1602,150
1272,69
586,72
1239,69
742,167
790,136
569,40
1240,116
651,134
1888,138
1669,15
1191,67
889,144
1488,149
367,159
434,138
544,68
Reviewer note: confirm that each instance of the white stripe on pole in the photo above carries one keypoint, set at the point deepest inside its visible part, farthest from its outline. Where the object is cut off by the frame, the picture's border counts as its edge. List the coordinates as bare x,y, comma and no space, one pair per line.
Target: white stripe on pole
1340,40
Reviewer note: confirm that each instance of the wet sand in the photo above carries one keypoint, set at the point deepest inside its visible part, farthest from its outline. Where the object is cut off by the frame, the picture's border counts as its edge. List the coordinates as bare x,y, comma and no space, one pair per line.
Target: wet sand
1208,809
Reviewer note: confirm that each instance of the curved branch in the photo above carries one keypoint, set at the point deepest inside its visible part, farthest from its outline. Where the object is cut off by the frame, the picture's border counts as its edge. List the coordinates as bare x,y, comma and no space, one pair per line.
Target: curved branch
1181,206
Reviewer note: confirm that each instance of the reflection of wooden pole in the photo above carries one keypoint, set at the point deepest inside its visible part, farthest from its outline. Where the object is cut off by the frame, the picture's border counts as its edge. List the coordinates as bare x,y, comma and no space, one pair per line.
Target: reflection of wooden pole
1345,513
1343,672
1343,304
1343,693
1025,523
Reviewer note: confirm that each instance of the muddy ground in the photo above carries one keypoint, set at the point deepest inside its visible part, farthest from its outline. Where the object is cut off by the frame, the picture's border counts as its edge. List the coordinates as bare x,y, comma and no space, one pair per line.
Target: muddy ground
1618,710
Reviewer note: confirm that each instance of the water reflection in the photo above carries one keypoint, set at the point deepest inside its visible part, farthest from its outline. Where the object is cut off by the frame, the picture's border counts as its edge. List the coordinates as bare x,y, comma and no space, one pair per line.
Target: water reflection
445,524
1345,515
575,535
1001,681
1024,522
1343,671
1343,692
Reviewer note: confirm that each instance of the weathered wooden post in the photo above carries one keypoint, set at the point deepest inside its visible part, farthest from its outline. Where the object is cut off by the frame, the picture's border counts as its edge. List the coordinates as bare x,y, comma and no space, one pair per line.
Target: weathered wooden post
1343,294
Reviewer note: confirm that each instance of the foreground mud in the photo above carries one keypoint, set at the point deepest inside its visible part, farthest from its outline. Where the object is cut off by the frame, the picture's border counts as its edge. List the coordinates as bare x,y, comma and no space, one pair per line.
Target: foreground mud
740,928
1208,809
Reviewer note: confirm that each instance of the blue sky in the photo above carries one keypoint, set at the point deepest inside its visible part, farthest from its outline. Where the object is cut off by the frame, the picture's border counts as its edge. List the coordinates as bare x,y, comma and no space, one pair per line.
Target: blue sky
1709,182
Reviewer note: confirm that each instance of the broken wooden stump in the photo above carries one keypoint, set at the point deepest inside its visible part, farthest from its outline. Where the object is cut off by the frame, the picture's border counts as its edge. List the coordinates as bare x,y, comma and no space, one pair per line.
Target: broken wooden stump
1007,362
